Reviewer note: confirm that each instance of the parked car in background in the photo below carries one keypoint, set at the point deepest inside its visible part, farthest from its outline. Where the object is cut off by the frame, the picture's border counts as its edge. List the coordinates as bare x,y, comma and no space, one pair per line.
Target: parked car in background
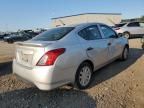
68,55
130,29
3,35
16,37
20,36
30,33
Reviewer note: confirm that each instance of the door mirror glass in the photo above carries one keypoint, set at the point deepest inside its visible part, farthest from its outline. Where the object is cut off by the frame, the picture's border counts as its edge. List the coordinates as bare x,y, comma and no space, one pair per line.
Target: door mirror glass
113,36
120,35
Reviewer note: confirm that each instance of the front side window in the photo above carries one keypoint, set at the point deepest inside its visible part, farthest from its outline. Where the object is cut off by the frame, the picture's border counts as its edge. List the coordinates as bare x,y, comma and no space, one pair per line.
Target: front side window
133,24
90,33
108,32
53,34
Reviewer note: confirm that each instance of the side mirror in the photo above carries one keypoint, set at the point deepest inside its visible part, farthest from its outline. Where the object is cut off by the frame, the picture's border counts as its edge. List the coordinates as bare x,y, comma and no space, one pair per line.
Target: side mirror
114,36
120,35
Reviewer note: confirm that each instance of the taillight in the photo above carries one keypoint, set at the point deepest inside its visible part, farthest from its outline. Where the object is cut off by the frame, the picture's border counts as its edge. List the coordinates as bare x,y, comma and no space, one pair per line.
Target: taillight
50,57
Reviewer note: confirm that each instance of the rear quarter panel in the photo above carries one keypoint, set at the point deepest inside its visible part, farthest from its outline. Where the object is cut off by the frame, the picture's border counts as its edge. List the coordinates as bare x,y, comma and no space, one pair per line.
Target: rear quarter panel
67,64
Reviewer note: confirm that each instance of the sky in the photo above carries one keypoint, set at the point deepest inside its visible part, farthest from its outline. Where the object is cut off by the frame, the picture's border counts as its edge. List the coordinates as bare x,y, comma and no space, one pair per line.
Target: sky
30,14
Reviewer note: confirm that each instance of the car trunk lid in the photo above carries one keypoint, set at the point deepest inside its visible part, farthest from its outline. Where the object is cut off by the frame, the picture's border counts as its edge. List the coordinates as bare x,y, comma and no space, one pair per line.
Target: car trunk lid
28,53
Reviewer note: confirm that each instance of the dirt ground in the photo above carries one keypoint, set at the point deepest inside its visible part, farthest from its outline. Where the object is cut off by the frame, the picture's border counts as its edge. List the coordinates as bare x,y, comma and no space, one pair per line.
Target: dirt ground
6,52
118,85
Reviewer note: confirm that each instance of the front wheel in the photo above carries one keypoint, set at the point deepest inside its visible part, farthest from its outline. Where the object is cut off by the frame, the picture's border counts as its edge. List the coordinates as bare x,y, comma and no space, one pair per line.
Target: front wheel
83,76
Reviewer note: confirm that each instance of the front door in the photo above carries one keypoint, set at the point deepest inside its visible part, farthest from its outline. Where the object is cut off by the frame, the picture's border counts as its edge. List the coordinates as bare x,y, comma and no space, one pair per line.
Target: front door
114,43
134,28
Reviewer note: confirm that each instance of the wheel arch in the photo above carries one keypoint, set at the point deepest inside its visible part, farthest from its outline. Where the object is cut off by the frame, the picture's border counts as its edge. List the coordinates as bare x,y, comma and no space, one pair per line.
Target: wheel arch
127,32
88,61
75,83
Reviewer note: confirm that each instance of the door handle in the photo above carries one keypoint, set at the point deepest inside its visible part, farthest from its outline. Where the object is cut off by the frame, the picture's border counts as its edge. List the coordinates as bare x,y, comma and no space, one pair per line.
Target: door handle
90,48
109,44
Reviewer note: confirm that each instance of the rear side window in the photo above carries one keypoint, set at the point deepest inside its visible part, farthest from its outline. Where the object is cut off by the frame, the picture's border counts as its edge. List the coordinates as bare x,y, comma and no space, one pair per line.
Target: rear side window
120,25
133,24
53,34
90,33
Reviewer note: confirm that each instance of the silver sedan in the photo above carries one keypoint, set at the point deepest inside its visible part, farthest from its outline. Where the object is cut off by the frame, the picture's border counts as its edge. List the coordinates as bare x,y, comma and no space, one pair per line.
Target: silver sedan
68,55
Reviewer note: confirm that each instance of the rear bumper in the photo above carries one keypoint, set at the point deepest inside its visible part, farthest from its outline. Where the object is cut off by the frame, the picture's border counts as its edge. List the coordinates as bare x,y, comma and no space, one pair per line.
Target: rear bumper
45,78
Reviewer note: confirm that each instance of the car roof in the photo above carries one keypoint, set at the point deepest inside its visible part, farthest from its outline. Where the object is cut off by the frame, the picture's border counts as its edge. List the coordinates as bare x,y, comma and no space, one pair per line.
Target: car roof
82,24
135,22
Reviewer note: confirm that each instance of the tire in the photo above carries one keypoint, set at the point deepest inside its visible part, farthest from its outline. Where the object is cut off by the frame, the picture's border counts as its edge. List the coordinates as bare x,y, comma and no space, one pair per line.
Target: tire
83,76
125,54
126,35
11,41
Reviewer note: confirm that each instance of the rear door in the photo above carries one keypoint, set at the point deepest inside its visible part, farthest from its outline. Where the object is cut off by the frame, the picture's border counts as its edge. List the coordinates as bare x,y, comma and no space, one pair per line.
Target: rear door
95,46
134,28
114,43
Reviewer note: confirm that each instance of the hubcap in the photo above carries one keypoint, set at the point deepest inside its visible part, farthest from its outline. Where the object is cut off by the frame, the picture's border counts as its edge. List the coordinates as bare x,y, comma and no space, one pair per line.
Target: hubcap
126,35
85,76
125,53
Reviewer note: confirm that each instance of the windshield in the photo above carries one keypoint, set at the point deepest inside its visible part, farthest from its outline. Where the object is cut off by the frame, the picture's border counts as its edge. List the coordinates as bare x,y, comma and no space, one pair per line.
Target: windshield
53,34
120,25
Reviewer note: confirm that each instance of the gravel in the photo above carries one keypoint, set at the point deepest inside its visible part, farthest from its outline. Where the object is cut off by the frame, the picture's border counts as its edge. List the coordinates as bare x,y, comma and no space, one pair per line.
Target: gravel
118,85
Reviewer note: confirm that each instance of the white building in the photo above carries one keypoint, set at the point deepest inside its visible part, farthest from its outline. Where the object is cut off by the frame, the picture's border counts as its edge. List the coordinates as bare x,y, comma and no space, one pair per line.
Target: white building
107,18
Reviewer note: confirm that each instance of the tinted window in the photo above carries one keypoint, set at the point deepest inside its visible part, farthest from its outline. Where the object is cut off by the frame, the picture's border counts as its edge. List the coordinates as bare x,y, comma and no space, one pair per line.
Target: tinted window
133,24
53,34
90,33
108,32
120,25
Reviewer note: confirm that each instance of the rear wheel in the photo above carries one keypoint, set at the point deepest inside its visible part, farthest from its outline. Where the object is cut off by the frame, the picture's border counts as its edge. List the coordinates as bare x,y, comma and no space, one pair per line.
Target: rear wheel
125,54
10,41
83,76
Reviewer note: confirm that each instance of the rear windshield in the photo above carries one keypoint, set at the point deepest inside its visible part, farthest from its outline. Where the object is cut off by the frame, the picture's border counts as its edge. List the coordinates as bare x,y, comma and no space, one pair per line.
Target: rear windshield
120,25
53,34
